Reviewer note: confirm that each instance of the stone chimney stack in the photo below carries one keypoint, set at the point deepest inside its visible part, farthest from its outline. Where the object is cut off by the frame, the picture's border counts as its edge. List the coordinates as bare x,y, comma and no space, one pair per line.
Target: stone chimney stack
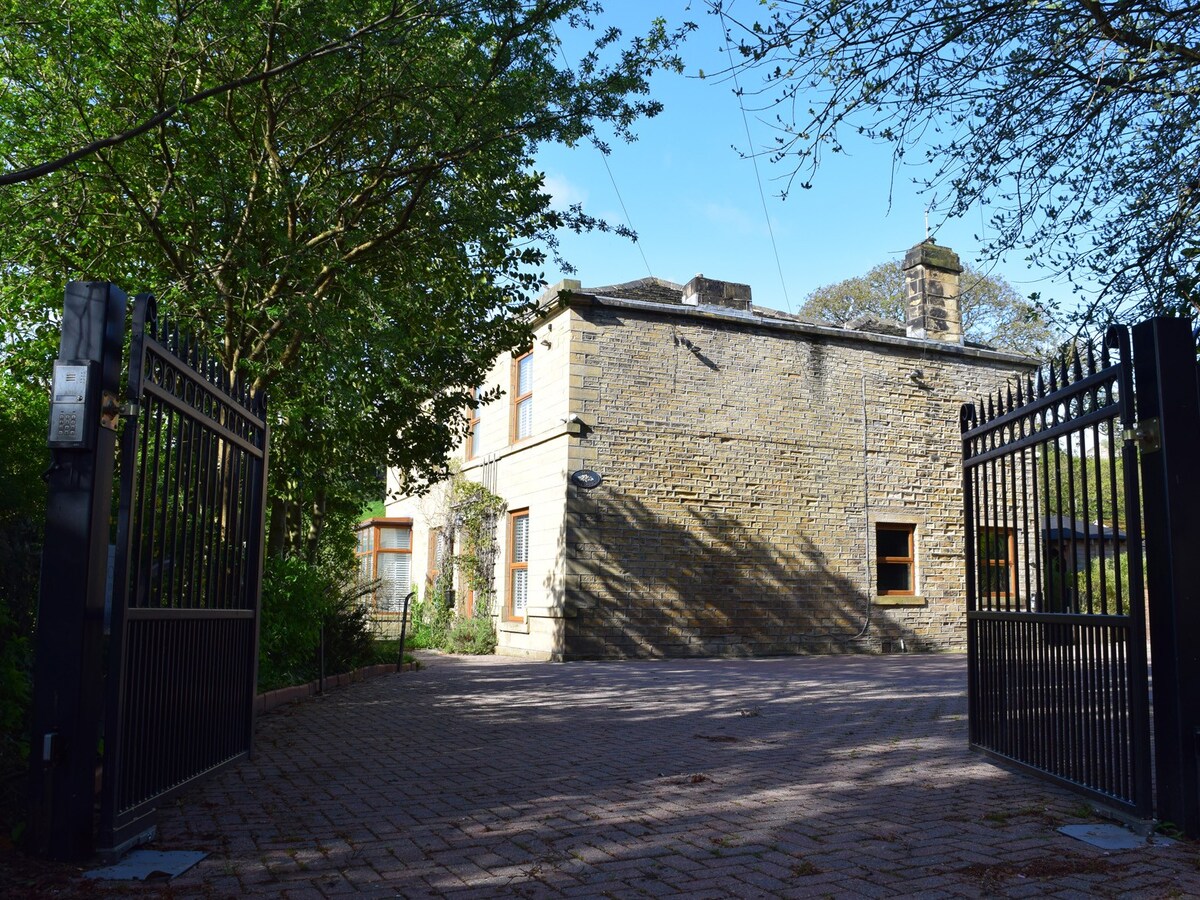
931,274
701,291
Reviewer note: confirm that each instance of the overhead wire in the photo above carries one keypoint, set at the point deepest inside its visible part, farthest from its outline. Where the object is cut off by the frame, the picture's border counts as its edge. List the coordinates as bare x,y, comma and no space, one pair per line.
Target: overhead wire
753,158
628,221
604,159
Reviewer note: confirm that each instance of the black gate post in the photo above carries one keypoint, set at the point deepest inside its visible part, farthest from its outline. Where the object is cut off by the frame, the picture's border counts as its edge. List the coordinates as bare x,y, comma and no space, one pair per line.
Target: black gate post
1164,355
68,665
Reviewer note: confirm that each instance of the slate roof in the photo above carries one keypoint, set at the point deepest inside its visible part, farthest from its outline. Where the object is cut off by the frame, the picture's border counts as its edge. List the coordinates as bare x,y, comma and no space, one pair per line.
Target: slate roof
656,290
876,325
659,290
1064,528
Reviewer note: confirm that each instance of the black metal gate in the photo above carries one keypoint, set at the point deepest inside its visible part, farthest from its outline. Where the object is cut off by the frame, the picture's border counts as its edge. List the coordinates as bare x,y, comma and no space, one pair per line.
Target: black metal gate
1056,619
187,575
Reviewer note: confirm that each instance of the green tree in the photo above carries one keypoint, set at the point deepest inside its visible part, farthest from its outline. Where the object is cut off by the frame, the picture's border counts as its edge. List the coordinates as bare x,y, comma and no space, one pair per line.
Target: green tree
358,233
992,310
1075,124
1064,474
24,414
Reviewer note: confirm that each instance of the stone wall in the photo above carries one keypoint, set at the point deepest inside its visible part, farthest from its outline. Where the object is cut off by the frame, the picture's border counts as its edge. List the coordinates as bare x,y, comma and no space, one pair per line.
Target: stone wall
745,468
529,474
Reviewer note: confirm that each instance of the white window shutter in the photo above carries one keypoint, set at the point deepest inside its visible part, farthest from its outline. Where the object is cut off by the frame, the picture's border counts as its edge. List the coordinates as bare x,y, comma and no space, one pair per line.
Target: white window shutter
395,572
393,537
520,597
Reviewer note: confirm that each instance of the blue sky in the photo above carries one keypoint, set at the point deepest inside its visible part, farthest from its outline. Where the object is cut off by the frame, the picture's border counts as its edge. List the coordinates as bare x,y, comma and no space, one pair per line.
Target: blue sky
695,201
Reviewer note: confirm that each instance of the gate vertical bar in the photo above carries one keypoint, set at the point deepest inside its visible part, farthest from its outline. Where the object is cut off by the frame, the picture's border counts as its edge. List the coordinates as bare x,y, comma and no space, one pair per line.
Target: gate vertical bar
114,750
68,666
1164,358
258,547
1141,772
967,420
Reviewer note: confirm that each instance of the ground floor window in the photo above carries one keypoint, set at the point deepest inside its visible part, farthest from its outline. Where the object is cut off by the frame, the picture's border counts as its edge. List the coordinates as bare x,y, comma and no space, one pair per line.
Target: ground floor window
895,559
441,550
996,555
384,552
518,564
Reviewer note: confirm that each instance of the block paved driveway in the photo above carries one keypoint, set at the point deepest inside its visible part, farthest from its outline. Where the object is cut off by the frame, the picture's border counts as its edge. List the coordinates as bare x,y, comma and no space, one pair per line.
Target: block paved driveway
819,776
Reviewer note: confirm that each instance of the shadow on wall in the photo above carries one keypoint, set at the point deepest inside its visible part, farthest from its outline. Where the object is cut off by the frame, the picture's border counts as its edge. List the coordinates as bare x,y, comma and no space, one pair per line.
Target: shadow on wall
698,582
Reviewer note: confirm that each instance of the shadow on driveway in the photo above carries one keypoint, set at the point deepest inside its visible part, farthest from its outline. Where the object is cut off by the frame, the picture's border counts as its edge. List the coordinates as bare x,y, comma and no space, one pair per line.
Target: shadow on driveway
812,776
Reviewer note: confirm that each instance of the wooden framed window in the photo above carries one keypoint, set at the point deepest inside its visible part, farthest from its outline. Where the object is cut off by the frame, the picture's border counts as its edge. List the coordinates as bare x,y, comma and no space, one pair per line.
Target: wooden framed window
436,552
384,551
518,565
895,560
996,553
522,393
472,449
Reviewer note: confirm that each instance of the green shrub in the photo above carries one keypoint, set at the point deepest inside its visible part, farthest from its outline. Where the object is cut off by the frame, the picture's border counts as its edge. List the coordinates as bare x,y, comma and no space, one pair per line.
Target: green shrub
420,635
476,636
349,639
434,626
387,650
16,664
289,633
24,412
1109,592
302,600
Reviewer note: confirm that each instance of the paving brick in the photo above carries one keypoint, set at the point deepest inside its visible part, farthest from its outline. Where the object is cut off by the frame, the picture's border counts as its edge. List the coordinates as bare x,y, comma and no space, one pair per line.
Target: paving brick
498,778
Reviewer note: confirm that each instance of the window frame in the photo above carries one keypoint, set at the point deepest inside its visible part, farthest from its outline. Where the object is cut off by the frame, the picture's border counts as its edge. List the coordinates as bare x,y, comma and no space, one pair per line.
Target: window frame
910,560
432,564
520,399
986,563
472,449
374,529
515,565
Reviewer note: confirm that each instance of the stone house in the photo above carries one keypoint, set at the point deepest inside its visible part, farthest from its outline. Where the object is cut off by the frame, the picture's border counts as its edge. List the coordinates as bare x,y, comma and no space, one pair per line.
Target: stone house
688,474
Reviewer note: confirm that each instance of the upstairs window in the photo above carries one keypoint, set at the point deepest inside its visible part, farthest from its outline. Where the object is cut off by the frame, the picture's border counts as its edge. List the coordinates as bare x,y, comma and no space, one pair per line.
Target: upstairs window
522,392
473,426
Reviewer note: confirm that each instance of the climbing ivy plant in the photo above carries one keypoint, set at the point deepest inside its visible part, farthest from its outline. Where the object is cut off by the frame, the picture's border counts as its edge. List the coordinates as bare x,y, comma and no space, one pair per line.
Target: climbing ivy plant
468,519
474,513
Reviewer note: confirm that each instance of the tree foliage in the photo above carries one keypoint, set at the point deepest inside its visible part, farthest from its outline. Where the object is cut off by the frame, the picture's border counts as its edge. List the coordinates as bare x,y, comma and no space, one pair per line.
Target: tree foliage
358,233
24,414
993,312
1076,124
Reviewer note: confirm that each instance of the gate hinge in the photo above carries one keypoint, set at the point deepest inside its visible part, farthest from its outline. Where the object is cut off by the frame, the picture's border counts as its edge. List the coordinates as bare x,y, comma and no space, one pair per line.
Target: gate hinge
1145,434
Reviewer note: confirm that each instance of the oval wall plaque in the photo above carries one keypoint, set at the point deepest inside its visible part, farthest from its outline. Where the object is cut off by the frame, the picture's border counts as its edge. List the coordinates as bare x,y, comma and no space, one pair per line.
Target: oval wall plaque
586,478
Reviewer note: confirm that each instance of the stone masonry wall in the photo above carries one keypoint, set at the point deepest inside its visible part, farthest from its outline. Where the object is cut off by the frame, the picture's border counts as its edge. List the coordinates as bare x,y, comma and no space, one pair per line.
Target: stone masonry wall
744,471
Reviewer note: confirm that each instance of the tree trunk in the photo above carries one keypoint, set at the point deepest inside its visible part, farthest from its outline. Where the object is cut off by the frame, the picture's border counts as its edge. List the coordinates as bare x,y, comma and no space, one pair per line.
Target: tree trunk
316,526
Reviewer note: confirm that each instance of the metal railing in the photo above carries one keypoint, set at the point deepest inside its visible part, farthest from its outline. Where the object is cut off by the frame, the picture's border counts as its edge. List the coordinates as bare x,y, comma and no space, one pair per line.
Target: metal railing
187,578
1055,600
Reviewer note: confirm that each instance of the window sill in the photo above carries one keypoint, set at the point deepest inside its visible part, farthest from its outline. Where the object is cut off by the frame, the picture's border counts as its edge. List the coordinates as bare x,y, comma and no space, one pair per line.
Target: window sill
899,600
514,627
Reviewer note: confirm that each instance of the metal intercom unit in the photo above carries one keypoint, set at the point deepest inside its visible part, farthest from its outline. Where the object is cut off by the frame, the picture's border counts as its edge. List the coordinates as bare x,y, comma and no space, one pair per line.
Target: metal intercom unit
73,402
